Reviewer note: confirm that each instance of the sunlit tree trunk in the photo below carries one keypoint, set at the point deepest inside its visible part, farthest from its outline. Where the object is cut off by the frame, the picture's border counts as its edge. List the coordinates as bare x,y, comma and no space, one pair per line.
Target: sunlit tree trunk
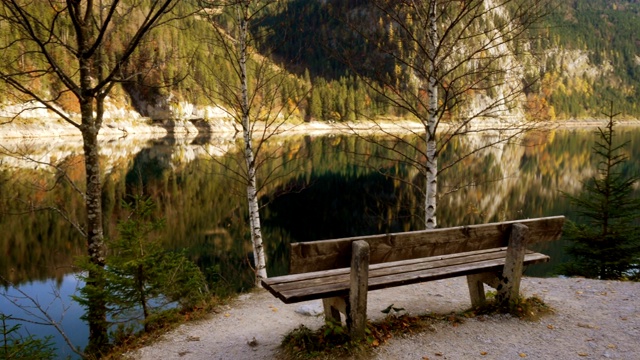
257,97
432,118
252,191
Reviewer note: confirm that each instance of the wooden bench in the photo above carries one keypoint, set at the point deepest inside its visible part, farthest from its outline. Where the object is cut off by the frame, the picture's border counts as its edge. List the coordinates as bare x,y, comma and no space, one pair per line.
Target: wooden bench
342,271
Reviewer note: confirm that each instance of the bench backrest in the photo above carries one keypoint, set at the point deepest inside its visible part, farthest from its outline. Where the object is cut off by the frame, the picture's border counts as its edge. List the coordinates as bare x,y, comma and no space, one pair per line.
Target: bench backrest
336,253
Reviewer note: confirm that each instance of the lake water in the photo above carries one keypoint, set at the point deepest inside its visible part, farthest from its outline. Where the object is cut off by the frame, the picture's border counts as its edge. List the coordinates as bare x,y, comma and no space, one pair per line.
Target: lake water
319,187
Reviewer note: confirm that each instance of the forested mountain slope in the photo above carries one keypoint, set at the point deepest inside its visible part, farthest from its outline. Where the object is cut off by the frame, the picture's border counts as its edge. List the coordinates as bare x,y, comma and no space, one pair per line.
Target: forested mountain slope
593,56
587,52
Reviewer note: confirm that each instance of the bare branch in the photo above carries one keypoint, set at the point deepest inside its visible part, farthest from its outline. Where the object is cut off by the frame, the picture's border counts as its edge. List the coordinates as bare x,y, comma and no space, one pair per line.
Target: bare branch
38,312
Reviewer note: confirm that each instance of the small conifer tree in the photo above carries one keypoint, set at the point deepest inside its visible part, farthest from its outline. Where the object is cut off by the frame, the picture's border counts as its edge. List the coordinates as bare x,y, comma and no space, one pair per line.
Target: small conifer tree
142,279
605,242
15,346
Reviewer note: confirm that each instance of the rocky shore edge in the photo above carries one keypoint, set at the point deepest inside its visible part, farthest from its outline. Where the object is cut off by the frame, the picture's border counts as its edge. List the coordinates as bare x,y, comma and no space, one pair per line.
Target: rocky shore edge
54,127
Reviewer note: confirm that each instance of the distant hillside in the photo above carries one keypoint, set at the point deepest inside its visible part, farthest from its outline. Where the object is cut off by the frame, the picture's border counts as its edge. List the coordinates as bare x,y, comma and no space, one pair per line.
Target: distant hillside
588,52
593,56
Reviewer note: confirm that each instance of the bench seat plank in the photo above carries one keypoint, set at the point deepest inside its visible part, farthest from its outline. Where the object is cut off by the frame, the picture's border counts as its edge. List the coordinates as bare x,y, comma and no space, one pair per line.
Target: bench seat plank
330,283
312,279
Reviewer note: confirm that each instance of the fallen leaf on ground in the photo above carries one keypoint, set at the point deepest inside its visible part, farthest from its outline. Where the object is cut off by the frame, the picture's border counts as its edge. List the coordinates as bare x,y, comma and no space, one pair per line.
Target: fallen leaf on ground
583,354
588,326
550,327
483,353
523,355
611,346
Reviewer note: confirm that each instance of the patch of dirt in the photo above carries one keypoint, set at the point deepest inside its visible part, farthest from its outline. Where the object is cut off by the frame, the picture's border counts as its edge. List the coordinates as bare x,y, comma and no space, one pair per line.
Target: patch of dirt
592,319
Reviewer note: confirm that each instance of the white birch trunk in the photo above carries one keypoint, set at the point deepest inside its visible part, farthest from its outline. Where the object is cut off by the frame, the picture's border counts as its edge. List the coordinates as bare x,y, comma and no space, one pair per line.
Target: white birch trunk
431,185
252,192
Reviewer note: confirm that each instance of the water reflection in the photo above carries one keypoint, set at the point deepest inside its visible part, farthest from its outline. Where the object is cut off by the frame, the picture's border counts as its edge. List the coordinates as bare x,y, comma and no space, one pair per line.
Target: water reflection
320,187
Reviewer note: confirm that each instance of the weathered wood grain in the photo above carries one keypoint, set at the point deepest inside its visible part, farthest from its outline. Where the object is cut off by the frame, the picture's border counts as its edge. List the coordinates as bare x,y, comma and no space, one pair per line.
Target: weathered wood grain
359,280
333,306
513,267
325,284
336,253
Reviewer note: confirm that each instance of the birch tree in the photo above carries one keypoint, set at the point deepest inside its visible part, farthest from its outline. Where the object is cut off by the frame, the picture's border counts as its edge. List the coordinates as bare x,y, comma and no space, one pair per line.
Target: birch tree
458,67
80,46
256,97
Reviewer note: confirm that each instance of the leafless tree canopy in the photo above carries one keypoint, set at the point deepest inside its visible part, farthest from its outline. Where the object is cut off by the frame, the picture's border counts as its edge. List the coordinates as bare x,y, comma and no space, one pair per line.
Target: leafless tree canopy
459,67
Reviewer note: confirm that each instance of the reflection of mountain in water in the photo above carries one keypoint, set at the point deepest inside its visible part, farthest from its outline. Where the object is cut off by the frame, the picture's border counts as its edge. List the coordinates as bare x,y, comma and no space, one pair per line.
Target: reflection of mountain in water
320,190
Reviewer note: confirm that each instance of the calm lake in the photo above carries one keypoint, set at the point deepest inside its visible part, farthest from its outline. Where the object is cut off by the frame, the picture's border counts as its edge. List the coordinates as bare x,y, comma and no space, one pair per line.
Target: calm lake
318,187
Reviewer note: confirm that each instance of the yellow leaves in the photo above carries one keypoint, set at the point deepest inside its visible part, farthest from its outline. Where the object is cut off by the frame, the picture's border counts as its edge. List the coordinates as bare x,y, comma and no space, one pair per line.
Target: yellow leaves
550,327
483,353
583,354
522,355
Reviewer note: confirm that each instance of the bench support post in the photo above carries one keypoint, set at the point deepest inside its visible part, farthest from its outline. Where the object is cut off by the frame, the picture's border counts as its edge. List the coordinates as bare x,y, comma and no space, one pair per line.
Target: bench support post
476,290
333,307
476,286
357,306
513,266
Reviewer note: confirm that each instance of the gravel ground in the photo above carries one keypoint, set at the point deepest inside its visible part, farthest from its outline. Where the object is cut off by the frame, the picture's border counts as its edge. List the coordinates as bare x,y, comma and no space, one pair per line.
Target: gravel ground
592,319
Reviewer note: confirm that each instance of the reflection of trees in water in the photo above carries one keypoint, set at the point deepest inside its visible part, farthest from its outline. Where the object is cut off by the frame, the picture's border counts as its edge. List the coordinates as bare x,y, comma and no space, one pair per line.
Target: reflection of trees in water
37,243
474,189
325,192
334,206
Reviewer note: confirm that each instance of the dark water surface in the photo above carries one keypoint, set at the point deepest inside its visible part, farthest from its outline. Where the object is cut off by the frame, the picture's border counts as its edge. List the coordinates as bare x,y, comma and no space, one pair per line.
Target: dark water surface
319,188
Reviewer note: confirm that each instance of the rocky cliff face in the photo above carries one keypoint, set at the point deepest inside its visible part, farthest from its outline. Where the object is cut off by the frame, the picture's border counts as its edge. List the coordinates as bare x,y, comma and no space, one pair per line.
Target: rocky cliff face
33,120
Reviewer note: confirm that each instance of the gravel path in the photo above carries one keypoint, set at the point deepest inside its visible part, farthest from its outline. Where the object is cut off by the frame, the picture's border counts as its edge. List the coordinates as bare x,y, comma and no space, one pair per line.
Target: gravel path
592,320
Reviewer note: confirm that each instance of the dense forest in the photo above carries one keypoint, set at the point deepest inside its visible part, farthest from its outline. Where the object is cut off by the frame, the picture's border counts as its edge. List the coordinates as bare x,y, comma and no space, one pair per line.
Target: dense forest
587,53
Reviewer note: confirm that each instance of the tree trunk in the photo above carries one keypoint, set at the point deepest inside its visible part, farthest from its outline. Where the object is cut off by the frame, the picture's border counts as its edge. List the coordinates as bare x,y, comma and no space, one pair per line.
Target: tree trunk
98,337
432,118
252,192
97,312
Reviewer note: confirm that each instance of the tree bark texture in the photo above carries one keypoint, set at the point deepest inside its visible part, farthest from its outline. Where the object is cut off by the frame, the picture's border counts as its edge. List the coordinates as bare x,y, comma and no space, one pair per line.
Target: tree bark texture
252,192
432,118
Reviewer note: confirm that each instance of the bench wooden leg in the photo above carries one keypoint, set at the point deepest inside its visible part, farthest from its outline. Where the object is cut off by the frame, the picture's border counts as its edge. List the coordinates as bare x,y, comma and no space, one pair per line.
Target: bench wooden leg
514,265
476,286
333,307
476,290
357,306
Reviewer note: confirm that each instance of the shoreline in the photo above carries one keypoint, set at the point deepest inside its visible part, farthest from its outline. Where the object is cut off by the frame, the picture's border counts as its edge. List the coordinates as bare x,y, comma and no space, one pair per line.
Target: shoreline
46,128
